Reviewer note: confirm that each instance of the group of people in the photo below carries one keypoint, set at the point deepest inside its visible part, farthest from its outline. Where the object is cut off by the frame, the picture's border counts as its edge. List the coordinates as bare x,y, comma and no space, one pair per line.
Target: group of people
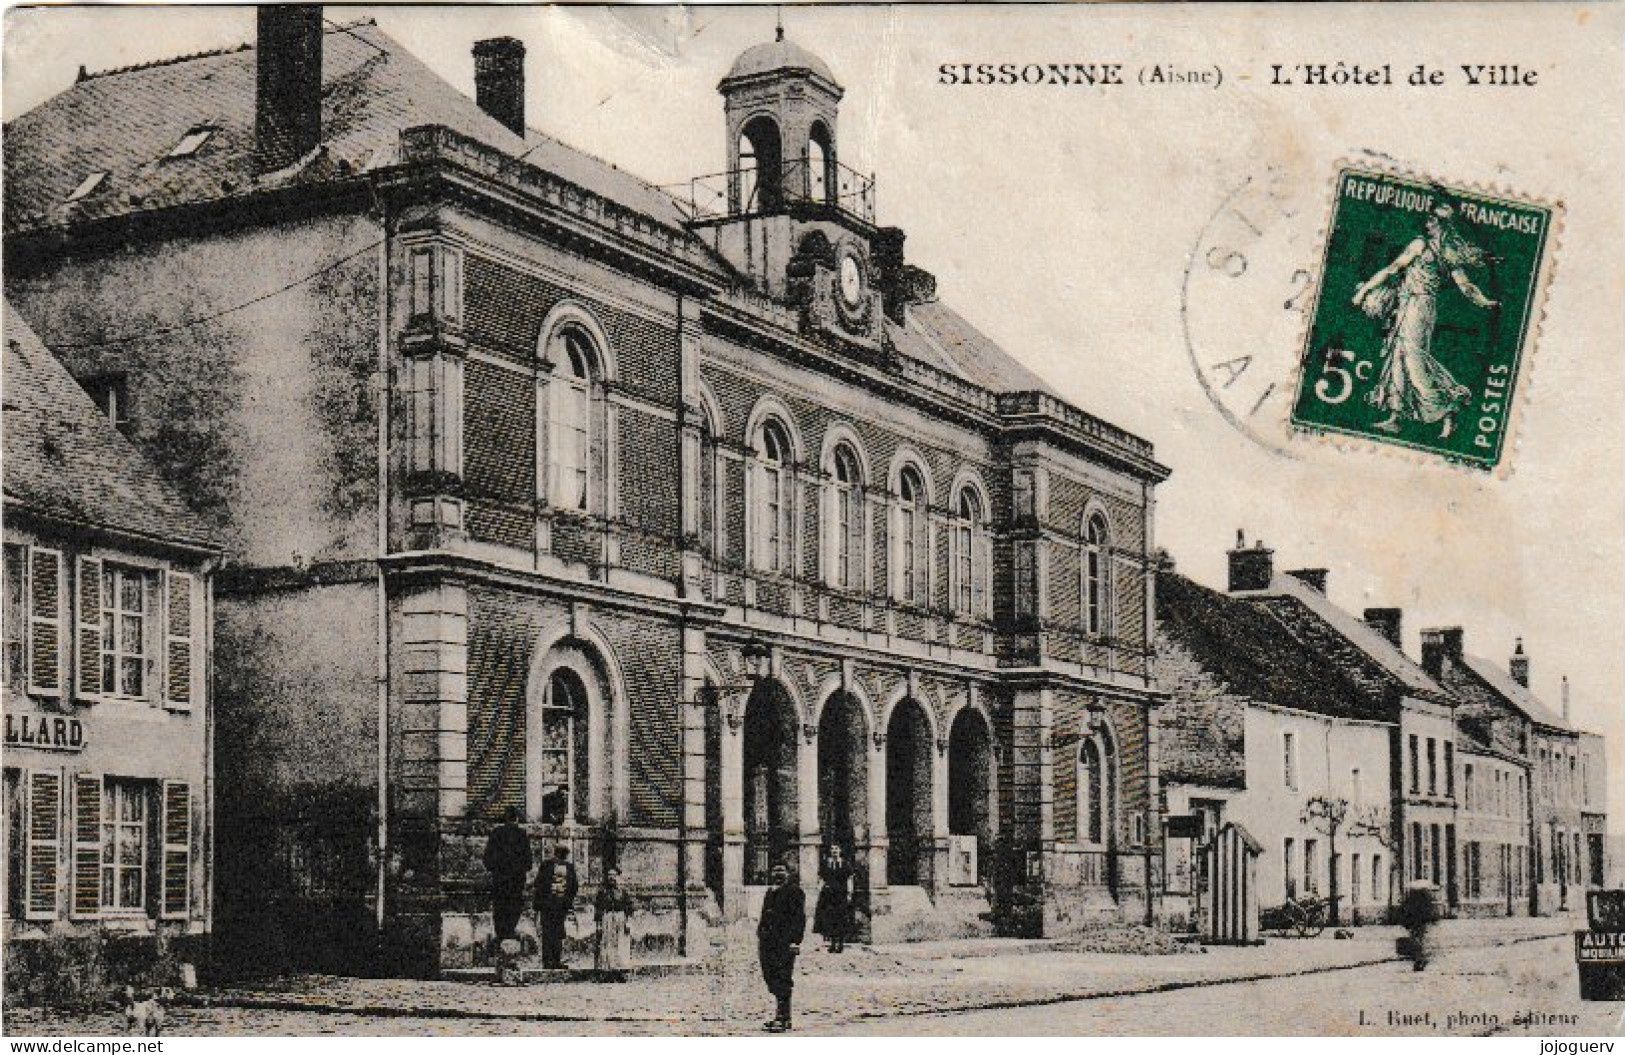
779,930
508,859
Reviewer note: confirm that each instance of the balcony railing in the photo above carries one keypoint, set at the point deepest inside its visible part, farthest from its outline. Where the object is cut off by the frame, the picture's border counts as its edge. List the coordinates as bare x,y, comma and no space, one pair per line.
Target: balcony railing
752,190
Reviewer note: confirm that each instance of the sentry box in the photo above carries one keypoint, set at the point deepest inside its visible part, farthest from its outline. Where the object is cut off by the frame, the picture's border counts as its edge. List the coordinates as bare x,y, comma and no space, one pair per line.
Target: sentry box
1600,952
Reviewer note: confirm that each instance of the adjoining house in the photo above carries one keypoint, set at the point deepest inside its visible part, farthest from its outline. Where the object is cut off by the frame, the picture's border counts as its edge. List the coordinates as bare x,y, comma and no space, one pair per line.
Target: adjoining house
1265,731
1559,799
108,835
703,532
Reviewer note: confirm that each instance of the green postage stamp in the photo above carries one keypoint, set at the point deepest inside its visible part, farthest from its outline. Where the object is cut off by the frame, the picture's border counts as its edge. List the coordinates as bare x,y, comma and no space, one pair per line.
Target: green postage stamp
1425,314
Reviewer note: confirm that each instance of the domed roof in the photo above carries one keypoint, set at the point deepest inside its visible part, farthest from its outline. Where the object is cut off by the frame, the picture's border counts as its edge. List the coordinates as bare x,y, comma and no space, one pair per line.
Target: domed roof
779,54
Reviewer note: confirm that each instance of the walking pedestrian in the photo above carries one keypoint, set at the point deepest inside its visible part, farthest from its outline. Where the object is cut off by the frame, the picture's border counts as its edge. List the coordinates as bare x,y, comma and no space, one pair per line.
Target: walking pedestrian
832,917
507,858
778,940
556,888
612,908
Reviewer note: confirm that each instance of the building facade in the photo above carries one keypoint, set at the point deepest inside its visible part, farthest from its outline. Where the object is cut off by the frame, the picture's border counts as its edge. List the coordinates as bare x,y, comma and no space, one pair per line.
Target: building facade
1308,778
699,531
107,770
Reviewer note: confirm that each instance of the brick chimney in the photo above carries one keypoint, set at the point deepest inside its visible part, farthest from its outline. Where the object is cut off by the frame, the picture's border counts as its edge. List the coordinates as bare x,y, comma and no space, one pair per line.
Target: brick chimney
1565,697
499,81
1439,644
1388,622
1314,578
1518,665
1251,569
288,85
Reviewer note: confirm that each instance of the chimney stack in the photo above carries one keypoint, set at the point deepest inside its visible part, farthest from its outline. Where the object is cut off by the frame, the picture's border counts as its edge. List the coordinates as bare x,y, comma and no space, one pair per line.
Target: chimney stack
1314,578
1388,623
1518,665
1250,569
288,85
1439,644
1565,697
499,81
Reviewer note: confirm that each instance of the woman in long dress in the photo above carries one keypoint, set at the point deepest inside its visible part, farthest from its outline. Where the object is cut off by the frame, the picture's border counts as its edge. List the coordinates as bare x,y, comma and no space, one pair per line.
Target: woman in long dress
611,908
1413,384
832,917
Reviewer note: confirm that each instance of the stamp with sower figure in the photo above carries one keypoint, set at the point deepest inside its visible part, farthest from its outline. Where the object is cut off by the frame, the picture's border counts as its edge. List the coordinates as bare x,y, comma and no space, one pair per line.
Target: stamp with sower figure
1425,313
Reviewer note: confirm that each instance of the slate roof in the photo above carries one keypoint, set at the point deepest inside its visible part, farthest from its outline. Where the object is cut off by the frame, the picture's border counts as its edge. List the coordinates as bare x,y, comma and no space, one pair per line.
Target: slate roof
1253,653
64,460
1499,682
1366,658
125,122
939,336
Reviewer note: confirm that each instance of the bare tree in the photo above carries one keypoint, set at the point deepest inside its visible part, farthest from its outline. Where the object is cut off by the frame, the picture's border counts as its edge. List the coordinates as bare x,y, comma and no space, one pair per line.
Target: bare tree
1332,815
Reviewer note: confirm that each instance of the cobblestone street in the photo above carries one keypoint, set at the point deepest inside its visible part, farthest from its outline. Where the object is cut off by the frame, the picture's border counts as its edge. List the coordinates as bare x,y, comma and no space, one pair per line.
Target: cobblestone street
1492,973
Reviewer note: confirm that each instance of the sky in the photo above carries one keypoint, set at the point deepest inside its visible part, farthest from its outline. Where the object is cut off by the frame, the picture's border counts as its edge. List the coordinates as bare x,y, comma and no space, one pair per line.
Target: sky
1086,230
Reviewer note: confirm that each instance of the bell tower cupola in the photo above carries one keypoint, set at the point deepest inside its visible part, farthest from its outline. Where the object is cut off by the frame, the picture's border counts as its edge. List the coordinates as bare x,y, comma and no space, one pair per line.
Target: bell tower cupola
781,104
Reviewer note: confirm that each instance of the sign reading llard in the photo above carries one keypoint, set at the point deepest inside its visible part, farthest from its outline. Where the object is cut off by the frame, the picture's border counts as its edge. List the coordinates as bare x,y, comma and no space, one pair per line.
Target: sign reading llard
44,731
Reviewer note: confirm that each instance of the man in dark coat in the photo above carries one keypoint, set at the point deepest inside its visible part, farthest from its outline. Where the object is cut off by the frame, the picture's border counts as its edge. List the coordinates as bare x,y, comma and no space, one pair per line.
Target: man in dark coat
555,896
507,858
778,940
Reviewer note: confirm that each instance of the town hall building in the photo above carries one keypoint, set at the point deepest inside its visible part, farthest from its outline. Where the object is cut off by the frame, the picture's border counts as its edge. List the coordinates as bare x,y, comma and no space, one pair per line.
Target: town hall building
696,528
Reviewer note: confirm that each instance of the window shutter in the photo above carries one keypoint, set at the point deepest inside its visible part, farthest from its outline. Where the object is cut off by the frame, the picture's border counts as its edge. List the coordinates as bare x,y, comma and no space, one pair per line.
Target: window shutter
44,843
87,845
89,680
177,857
45,622
179,639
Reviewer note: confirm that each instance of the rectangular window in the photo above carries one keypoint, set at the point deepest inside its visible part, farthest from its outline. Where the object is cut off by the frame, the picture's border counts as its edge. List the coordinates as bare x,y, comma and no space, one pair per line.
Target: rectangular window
1311,865
1449,770
1356,787
569,442
12,618
1433,766
1418,852
1356,878
124,651
1026,580
964,567
1289,760
1379,881
1289,868
1416,769
1467,786
124,847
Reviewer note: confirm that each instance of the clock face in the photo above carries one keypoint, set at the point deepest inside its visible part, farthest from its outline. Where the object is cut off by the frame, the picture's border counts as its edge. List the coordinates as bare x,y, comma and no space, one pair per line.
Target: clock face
851,280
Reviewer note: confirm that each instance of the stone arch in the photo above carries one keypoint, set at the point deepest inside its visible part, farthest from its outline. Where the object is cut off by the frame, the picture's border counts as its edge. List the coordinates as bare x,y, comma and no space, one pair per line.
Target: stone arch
910,791
973,780
906,455
838,433
573,313
969,478
770,406
763,189
842,765
771,793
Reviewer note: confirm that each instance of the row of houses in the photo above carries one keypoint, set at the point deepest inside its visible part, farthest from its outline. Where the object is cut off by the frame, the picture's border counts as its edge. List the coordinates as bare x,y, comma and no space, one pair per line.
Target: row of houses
1359,769
421,467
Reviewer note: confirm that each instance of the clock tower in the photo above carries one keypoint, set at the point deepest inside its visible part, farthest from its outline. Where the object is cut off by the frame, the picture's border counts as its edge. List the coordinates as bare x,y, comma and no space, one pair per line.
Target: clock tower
796,223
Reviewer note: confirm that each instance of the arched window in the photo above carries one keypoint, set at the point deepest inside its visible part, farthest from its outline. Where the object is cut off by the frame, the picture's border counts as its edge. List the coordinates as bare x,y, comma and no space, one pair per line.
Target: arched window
1094,792
565,757
844,524
910,552
570,441
772,539
708,522
1096,593
969,549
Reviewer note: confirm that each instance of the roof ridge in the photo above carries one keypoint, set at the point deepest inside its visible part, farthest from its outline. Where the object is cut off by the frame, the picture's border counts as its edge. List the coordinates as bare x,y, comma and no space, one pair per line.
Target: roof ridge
175,60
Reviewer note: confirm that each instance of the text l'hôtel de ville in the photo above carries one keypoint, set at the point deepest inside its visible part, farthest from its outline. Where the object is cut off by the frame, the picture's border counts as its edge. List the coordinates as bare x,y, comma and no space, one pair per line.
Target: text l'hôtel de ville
1304,74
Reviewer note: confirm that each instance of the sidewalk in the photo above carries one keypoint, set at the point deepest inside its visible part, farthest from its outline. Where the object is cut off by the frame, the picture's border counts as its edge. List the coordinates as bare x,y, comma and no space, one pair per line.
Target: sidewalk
864,982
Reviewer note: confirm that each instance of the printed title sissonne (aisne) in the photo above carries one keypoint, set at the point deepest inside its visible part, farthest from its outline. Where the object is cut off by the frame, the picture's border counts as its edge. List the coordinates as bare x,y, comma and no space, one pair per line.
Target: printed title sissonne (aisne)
1070,74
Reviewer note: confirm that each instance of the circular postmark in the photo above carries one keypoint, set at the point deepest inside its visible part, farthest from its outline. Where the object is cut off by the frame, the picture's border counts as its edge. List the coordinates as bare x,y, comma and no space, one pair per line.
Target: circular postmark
1248,287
